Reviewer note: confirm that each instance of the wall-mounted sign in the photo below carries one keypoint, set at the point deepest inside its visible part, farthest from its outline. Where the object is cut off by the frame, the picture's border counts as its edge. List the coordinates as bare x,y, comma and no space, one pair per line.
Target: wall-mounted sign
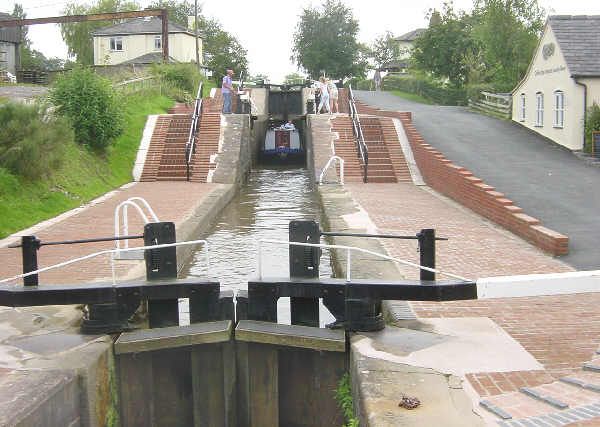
548,50
550,71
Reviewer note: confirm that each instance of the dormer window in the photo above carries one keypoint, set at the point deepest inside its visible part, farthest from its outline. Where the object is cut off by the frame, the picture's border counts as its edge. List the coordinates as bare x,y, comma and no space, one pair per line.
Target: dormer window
116,44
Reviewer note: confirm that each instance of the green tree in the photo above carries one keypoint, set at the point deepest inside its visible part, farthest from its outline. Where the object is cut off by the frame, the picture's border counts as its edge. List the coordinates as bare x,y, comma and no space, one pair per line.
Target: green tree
385,49
221,49
508,31
78,36
445,48
90,104
325,41
179,10
293,78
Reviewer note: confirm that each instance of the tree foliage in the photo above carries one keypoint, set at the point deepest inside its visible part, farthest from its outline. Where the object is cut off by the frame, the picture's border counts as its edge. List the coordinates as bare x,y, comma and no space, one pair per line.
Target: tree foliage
90,103
443,50
221,49
325,41
385,49
178,10
78,35
508,32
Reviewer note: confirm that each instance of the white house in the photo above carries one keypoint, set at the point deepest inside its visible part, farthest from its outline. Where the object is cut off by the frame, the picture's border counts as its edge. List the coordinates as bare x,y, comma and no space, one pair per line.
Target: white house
139,41
562,81
9,45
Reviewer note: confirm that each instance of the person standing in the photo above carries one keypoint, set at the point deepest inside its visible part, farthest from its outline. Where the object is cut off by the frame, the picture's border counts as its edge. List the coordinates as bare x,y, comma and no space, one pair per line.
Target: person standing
333,97
324,96
377,78
227,91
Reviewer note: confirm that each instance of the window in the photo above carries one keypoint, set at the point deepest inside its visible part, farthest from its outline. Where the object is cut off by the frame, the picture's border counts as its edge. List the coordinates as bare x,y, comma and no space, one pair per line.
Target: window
157,42
539,110
522,115
559,109
116,43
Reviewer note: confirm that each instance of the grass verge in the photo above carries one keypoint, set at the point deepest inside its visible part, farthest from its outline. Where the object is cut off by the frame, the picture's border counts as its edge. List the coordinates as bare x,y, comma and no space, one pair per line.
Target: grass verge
411,97
83,176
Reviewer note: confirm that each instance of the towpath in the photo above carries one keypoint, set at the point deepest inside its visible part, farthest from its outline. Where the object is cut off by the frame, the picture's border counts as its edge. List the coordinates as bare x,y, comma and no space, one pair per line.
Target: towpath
548,182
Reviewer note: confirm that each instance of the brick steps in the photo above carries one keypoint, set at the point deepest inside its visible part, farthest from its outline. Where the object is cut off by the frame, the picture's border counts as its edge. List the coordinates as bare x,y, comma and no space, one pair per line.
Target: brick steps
166,159
568,400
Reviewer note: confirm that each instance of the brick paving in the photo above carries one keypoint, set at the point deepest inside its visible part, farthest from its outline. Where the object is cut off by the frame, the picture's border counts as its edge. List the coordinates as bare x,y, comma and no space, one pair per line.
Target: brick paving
171,201
562,332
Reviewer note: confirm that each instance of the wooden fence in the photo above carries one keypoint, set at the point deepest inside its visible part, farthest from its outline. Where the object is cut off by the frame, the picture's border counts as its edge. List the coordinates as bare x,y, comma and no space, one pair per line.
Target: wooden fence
493,104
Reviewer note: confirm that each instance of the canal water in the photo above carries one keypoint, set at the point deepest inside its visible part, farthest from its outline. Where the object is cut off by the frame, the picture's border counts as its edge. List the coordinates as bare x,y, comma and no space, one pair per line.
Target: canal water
262,210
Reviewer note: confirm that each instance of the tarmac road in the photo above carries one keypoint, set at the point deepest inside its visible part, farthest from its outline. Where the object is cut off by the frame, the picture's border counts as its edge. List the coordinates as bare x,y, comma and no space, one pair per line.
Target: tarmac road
547,181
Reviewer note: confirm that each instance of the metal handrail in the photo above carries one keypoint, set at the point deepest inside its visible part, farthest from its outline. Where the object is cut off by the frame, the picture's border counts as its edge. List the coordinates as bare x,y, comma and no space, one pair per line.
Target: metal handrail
190,146
331,161
363,151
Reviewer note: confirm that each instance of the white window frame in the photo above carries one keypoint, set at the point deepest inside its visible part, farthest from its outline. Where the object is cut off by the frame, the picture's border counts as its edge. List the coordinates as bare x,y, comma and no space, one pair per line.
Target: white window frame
559,109
158,42
114,43
539,109
522,115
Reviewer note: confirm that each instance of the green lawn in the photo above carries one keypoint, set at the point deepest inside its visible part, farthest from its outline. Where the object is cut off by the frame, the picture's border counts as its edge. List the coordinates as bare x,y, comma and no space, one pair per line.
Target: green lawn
411,97
82,176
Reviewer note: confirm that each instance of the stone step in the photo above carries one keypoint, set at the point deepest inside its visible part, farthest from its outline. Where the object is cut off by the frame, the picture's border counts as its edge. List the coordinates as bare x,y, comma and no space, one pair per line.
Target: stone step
515,405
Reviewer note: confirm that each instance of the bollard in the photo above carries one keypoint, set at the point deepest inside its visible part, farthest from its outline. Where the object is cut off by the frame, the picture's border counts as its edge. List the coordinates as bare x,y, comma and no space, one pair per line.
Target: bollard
427,252
29,248
304,262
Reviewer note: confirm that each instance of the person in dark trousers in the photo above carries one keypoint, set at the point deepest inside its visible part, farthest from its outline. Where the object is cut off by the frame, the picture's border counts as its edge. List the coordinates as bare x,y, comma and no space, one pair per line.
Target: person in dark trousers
227,91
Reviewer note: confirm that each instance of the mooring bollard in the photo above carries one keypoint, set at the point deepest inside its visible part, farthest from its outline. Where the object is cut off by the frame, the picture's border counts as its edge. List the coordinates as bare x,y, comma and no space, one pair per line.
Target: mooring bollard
29,248
427,252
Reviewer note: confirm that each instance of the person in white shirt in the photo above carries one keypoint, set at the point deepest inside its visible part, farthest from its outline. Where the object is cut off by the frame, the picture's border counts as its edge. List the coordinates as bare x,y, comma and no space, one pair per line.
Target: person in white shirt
333,96
324,96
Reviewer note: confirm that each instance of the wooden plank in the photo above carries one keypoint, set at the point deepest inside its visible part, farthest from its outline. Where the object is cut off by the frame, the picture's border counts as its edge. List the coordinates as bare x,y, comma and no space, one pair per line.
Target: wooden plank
329,369
290,335
263,385
135,386
208,386
243,390
144,340
229,383
173,403
297,398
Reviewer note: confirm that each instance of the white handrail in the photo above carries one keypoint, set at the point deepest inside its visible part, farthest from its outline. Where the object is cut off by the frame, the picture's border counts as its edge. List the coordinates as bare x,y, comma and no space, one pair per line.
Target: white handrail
331,160
124,205
112,251
348,263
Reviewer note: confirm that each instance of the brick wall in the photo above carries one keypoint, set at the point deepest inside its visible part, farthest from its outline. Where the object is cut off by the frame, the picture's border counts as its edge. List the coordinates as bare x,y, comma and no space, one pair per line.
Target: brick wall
459,183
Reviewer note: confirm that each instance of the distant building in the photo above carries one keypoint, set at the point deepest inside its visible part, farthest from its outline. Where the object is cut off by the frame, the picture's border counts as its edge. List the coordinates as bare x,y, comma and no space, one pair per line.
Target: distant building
139,41
406,42
9,45
562,81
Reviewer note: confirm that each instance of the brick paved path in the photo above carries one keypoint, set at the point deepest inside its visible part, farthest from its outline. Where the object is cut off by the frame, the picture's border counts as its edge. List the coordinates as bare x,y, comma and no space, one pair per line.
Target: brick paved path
171,201
562,332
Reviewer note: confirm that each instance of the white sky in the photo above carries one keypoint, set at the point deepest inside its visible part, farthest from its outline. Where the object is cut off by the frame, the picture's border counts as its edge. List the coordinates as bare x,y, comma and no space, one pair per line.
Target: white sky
265,27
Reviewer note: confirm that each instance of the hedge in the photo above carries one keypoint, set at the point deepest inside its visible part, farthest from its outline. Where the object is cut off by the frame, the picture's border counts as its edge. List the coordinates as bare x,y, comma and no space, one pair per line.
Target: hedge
437,92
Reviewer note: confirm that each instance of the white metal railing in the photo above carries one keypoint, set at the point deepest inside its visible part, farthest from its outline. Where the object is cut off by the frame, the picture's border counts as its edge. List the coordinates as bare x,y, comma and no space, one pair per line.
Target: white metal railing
112,252
331,161
363,151
132,201
349,250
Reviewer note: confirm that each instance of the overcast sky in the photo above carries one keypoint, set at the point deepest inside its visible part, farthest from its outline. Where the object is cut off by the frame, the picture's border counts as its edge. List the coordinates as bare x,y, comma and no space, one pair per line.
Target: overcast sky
265,27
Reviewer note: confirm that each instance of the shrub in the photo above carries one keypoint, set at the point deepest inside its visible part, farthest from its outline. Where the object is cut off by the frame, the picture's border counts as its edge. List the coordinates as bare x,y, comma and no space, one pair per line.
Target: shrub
343,396
91,104
592,124
32,143
361,84
438,92
179,77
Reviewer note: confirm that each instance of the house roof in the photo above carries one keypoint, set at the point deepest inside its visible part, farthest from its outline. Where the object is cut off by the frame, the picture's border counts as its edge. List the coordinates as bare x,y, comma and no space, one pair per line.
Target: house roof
411,35
145,25
579,39
8,34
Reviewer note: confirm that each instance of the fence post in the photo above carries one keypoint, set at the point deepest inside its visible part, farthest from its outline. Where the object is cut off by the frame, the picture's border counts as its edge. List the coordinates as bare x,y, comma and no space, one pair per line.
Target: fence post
29,248
427,252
